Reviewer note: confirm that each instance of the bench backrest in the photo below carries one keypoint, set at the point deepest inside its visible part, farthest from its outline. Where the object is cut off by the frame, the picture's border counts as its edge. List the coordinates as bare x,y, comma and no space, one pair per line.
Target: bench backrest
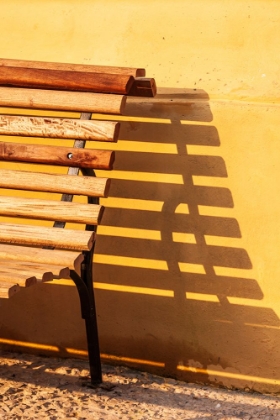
35,90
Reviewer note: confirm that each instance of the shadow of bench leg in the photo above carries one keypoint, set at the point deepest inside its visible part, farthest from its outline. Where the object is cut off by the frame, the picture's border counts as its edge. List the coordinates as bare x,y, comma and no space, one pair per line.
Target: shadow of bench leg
86,294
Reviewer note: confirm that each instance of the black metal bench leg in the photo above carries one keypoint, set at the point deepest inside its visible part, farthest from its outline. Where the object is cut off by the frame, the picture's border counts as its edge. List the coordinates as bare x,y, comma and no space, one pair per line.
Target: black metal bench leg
86,294
93,351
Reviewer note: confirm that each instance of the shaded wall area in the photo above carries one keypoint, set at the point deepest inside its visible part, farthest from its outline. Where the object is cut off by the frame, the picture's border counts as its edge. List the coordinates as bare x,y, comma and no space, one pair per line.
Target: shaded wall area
175,287
176,297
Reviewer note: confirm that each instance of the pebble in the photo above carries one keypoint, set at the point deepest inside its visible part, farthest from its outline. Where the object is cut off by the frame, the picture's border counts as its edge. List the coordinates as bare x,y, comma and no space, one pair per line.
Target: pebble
33,387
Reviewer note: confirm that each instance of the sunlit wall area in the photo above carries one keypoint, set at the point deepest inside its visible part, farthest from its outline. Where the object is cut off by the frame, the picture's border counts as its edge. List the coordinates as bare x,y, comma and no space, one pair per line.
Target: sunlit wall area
187,258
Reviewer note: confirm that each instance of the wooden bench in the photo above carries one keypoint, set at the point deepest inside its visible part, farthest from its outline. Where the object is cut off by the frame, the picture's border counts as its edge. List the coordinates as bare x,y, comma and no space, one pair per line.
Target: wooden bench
36,201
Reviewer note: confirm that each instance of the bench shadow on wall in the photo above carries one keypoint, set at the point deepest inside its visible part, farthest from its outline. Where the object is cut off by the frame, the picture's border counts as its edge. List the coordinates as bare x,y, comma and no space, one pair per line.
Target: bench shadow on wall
172,297
169,290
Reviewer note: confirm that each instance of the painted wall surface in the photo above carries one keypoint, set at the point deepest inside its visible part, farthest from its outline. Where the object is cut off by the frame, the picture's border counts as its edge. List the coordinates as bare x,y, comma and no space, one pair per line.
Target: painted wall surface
187,261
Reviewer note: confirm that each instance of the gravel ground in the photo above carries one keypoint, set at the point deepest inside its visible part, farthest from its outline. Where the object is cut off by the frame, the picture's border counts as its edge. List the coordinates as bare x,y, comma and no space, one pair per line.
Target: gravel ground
34,387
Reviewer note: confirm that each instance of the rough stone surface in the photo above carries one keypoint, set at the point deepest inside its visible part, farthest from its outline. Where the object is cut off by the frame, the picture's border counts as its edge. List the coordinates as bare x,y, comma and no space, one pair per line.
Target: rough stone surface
34,387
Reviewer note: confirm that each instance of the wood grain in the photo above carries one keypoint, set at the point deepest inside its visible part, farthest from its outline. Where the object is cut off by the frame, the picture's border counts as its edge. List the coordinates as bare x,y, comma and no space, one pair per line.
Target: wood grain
55,155
52,257
77,240
32,208
133,71
65,80
59,128
62,100
13,277
43,272
54,183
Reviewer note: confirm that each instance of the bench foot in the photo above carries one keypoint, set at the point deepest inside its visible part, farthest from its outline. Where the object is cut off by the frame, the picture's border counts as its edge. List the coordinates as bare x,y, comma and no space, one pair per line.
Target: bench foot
93,351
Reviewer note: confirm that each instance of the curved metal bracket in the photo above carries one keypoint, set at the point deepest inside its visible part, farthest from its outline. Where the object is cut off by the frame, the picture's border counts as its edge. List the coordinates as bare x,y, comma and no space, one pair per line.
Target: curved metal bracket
86,307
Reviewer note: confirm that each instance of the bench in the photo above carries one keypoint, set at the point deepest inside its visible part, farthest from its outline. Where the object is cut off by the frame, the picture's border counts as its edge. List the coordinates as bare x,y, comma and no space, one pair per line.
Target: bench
39,168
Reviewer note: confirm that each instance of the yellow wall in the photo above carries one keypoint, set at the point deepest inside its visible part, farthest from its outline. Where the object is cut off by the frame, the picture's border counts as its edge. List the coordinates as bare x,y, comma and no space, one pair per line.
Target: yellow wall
187,281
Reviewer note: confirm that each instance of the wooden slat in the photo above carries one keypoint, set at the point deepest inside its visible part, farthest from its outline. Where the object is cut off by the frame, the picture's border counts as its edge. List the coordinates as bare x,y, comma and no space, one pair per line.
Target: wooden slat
59,128
33,208
8,290
143,87
43,272
62,100
50,257
13,277
136,72
55,155
55,183
65,80
60,273
77,240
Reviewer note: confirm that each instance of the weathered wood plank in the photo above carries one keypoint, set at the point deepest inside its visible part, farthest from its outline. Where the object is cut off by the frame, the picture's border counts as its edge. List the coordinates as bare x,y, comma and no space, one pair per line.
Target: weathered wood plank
133,71
33,208
65,80
43,272
60,273
56,155
8,290
51,257
55,183
62,100
77,240
59,128
12,277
